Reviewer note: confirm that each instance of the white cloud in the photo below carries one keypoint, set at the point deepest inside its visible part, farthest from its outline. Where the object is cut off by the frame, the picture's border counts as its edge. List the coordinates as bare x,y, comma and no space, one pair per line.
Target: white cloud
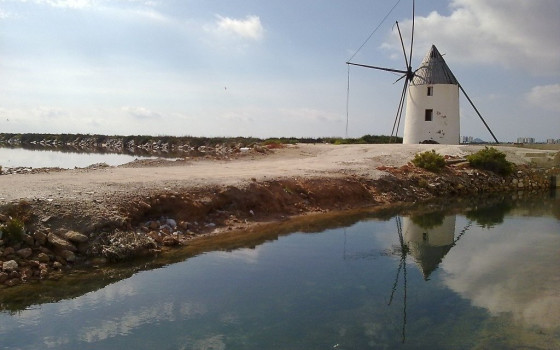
74,4
509,33
488,271
248,28
545,96
141,113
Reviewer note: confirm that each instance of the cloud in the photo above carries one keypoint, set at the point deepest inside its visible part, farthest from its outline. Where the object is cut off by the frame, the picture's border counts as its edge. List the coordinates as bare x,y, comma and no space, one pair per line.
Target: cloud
249,28
73,4
141,113
488,271
545,96
517,34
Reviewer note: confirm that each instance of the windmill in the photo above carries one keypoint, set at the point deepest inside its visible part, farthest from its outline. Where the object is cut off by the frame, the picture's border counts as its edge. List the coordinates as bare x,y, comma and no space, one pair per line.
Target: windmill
431,94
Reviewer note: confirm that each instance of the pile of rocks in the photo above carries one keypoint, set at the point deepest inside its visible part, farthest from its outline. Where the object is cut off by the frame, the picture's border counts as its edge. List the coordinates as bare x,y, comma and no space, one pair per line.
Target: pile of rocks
148,238
530,179
40,255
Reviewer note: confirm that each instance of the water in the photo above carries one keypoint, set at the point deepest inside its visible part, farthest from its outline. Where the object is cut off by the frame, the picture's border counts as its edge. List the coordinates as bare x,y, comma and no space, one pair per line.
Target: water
19,157
483,277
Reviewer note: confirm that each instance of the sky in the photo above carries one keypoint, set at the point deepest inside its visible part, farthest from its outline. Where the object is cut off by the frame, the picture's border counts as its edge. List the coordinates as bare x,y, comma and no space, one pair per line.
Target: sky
269,68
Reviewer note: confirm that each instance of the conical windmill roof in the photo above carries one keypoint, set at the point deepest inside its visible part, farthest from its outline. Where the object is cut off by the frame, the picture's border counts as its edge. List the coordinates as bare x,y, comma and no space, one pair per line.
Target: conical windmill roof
433,70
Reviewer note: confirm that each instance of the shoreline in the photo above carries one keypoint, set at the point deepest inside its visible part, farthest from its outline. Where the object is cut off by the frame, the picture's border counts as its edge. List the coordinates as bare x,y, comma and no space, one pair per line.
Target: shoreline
89,217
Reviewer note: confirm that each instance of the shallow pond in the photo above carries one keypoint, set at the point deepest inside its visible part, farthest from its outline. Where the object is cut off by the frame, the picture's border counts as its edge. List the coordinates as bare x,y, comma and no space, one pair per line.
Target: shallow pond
44,158
483,277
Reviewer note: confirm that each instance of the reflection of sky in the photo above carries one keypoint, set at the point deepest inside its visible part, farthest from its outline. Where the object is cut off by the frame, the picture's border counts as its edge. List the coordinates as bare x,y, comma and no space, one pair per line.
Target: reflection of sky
311,284
11,158
513,268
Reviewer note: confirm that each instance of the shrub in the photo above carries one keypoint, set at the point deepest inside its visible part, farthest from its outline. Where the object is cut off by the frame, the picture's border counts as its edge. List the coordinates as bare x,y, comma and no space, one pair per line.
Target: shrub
429,160
13,231
491,159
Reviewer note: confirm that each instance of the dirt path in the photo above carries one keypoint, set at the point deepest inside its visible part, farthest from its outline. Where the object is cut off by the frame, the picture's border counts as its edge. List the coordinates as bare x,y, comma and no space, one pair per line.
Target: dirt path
302,160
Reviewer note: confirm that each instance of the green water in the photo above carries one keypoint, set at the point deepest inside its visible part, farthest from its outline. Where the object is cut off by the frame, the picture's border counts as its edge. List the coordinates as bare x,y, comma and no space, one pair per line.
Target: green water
478,277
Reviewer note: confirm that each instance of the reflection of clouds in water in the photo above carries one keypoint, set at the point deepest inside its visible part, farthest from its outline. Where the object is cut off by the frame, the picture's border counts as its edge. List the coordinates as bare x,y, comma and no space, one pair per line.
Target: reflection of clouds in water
245,254
55,342
215,342
129,321
110,294
36,315
513,268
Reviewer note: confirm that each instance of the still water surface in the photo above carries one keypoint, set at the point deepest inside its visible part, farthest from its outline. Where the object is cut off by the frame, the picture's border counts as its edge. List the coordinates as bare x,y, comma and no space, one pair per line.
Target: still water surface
19,157
486,278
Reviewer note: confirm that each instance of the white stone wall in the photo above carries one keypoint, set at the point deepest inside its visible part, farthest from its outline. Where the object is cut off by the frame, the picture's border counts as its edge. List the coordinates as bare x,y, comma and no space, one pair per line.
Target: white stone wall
445,125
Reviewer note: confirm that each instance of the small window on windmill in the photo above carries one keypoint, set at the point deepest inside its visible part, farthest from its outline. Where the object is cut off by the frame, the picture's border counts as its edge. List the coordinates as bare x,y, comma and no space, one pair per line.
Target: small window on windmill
428,115
430,91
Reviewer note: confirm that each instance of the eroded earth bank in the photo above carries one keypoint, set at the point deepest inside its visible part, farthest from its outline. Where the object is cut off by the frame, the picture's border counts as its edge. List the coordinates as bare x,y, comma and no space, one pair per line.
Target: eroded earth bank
56,220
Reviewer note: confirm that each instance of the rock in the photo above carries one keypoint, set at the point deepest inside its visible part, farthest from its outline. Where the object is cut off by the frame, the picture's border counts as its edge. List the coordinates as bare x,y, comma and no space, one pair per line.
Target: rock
9,251
75,237
155,236
34,263
3,277
57,265
25,253
43,258
60,243
170,241
68,255
28,239
40,238
184,225
4,218
26,273
172,223
12,282
154,225
9,265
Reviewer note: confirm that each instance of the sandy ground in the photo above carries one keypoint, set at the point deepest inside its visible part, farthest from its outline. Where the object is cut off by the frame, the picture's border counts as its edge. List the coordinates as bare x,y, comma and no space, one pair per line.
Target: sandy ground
303,160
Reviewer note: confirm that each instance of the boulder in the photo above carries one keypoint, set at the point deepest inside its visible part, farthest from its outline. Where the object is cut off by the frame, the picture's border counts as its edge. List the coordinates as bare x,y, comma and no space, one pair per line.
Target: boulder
12,282
40,238
9,251
9,265
67,255
28,240
43,258
170,241
25,253
75,237
60,243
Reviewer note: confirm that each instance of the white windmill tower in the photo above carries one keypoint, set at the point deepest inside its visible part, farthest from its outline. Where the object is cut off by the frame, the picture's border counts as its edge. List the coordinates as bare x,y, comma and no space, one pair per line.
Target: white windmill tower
432,98
432,103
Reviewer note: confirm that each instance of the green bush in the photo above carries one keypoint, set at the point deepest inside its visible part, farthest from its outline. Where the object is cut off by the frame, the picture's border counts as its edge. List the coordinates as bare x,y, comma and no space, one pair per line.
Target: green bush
491,159
429,160
13,231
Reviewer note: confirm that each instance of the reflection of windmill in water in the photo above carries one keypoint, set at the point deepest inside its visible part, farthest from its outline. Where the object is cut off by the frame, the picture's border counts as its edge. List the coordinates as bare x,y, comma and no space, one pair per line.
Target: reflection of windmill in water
427,242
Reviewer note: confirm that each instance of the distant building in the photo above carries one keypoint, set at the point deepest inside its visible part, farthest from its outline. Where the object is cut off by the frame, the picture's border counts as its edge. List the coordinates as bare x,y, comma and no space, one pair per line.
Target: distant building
552,141
525,140
466,139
